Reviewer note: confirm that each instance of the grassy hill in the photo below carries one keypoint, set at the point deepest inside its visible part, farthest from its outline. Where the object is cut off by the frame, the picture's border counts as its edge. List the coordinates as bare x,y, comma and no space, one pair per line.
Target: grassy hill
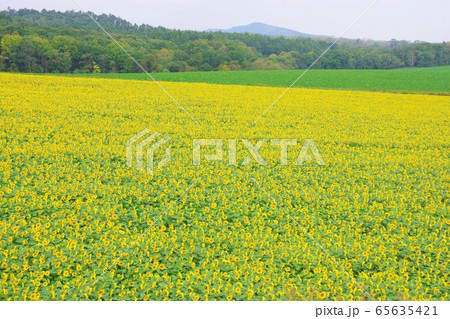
420,80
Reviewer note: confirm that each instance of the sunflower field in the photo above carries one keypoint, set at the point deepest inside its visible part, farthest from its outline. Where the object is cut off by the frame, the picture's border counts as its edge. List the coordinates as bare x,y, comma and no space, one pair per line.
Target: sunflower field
78,224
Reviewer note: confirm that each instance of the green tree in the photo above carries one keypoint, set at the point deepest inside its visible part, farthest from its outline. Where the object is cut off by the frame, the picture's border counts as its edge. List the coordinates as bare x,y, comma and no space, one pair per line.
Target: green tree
96,68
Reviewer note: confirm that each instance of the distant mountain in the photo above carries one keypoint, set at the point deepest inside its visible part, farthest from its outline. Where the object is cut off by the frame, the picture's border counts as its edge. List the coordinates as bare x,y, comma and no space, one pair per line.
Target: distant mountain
264,29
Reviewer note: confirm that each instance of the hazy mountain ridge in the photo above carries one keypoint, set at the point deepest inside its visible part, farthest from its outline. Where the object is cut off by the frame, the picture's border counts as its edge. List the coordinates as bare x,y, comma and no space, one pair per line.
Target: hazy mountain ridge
263,29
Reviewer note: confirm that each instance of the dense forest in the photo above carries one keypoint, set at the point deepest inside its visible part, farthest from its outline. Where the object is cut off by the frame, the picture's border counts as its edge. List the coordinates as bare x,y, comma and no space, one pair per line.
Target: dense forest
70,42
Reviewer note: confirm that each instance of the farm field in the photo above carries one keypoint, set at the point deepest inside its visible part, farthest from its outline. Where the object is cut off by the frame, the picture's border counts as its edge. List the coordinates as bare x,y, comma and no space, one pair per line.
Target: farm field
70,206
419,80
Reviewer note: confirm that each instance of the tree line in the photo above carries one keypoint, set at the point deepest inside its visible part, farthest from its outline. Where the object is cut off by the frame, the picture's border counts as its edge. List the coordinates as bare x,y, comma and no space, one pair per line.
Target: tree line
69,42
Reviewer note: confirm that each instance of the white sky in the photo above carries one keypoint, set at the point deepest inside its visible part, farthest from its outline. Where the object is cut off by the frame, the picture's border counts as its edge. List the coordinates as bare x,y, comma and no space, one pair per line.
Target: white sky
426,20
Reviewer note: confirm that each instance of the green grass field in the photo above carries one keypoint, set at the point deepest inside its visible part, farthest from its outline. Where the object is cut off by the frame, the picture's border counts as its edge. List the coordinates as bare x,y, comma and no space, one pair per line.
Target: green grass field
420,80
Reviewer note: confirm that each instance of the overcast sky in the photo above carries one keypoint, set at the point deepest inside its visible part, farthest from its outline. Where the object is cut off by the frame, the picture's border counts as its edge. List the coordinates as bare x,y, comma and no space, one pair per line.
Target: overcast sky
400,19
